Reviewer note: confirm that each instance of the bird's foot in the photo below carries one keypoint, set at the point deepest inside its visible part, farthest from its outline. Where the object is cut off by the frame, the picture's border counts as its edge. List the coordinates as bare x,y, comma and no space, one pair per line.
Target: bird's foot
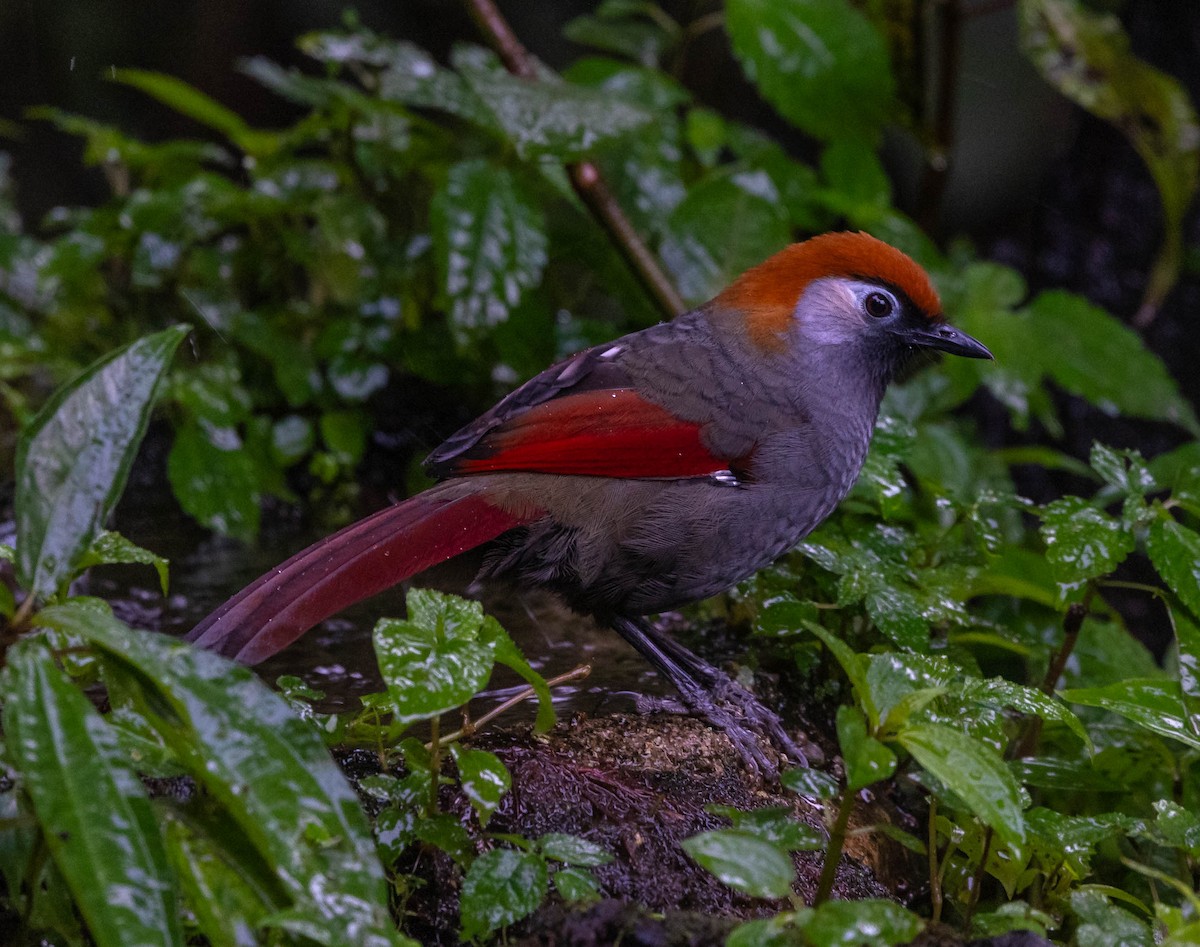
757,715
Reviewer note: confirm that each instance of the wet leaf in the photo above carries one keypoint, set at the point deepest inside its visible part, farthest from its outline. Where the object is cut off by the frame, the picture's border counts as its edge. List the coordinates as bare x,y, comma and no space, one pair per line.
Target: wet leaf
810,783
215,480
94,813
1154,704
485,780
501,886
1187,640
1083,542
774,824
1176,826
820,63
867,760
703,259
267,769
573,850
576,884
870,922
1175,551
743,861
1105,925
1026,700
73,459
490,245
436,659
972,770
629,29
1089,353
112,548
855,666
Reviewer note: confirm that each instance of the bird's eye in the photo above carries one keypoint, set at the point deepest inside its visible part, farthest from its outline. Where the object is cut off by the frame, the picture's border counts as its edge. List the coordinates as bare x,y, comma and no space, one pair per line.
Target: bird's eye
878,305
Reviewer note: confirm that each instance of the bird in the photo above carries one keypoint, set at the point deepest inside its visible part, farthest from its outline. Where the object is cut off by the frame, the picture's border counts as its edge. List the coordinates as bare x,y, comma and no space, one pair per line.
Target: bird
650,472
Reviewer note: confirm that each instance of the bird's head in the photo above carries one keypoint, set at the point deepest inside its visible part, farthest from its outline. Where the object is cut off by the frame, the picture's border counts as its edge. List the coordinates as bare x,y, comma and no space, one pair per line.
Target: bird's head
847,290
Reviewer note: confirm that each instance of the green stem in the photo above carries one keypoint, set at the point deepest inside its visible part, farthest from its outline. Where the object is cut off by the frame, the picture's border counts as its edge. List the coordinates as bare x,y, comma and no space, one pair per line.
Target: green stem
435,763
833,853
935,878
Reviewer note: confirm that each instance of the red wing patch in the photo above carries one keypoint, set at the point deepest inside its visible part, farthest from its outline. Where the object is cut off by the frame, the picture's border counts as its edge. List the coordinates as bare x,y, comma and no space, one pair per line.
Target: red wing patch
607,433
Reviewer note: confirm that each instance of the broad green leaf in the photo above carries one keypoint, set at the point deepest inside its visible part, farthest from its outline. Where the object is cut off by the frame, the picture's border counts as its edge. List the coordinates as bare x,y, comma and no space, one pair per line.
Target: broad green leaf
1175,551
508,654
268,769
1187,641
215,479
572,850
1176,826
867,760
73,459
94,813
1154,704
227,904
855,667
743,861
781,930
1089,353
576,884
972,770
501,886
485,780
635,30
871,922
547,117
193,103
490,245
820,63
1026,700
774,824
436,659
111,548
1102,924
810,783
702,258
1083,542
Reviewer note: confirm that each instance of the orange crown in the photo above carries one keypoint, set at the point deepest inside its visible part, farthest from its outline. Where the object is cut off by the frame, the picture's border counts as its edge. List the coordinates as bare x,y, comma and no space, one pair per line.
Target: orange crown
768,293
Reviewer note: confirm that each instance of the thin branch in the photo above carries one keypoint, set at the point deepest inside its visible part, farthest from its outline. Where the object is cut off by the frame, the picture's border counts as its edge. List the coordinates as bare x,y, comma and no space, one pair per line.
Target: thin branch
585,177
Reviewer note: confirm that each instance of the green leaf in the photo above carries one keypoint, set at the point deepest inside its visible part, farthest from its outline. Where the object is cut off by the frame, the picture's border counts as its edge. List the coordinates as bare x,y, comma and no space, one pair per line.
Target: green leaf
215,480
1175,551
190,101
820,63
501,886
266,768
703,259
485,780
1154,704
489,243
855,667
617,27
93,810
743,861
1026,700
547,117
1187,641
1089,353
871,922
74,458
1083,542
1102,924
810,783
576,884
1086,56
774,824
435,660
970,769
573,850
867,760
112,548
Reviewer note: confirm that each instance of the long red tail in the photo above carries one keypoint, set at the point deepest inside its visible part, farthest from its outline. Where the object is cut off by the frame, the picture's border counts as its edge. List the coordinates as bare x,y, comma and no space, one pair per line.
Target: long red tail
359,561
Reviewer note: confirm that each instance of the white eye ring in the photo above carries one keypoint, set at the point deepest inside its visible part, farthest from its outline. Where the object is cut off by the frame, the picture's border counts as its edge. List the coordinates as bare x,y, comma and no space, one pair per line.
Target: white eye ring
878,305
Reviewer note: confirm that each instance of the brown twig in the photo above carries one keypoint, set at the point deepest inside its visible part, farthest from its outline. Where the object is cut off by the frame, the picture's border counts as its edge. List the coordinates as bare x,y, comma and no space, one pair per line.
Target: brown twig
585,177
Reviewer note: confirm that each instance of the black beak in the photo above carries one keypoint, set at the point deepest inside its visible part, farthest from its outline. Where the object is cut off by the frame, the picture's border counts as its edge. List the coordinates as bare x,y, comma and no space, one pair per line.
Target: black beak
946,338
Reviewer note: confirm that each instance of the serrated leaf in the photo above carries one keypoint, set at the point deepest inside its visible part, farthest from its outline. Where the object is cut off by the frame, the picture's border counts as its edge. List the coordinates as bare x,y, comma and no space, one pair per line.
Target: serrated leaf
436,659
1154,704
810,783
743,861
490,245
94,813
1175,551
774,824
1083,542
485,780
820,63
576,884
501,886
972,770
73,459
1026,700
112,548
268,770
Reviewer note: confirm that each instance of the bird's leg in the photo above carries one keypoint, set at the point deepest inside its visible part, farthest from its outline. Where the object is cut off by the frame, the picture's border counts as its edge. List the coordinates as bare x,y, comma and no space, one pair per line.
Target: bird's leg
705,689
